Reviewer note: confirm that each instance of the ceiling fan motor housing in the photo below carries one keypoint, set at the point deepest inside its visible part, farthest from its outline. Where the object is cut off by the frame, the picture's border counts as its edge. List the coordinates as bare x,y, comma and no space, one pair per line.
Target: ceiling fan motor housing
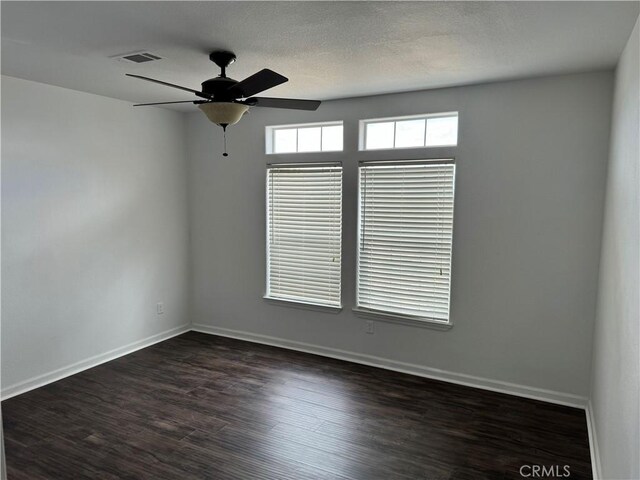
218,87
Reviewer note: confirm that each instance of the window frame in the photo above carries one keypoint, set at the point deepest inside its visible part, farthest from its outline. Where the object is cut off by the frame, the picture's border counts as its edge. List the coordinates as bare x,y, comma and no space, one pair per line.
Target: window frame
270,133
362,130
394,317
306,305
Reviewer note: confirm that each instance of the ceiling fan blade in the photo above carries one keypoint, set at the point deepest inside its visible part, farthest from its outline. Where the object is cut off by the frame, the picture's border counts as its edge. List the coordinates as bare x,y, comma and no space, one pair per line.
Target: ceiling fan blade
196,92
293,103
256,83
162,103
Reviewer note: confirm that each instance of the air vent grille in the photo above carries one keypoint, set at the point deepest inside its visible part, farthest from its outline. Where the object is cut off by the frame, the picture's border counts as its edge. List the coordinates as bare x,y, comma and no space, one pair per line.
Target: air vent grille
137,57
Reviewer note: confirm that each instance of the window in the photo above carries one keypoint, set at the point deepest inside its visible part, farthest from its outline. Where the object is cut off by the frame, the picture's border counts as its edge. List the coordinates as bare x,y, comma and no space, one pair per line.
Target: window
304,233
312,137
437,130
404,238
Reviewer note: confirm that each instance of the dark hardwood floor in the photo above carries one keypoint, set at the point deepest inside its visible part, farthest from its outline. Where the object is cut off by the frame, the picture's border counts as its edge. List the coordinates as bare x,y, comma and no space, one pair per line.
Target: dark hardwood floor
205,407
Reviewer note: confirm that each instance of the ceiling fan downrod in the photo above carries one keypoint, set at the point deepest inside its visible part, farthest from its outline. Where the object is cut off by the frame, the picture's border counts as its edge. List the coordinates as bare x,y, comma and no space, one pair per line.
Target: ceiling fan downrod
222,59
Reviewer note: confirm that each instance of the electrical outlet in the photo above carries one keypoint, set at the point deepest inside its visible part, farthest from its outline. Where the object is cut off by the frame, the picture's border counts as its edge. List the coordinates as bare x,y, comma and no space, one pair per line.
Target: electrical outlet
160,308
370,327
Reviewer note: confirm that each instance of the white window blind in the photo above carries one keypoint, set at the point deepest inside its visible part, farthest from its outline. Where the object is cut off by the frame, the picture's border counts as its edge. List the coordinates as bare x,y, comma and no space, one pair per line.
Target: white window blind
405,235
304,233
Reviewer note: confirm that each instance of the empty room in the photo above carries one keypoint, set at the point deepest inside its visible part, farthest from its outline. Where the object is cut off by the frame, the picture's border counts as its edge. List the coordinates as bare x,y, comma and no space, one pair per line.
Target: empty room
320,240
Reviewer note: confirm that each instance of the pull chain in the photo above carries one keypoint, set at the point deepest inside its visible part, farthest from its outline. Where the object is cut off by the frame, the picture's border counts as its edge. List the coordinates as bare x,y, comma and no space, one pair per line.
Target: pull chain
224,136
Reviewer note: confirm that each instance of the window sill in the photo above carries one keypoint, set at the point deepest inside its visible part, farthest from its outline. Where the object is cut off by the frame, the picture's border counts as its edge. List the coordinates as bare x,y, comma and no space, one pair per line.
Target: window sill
403,319
417,147
302,305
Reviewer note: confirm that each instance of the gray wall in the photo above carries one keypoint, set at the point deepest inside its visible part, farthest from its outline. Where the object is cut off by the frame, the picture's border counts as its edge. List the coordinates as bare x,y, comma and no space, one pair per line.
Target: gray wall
531,166
3,469
615,389
94,226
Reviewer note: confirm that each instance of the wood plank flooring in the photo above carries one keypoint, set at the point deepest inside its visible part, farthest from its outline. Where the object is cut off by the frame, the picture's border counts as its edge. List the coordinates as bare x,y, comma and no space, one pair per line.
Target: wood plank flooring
205,407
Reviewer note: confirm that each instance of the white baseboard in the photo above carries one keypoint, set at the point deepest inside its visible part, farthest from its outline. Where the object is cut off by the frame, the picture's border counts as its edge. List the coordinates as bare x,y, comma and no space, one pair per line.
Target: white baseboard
593,443
550,396
60,373
559,398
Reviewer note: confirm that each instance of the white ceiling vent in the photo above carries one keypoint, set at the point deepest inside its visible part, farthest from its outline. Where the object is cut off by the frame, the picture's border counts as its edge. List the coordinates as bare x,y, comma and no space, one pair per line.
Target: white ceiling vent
137,57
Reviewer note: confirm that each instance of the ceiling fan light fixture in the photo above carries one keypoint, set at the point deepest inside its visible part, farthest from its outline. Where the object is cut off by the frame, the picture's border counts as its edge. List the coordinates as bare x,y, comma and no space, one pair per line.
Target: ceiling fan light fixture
223,113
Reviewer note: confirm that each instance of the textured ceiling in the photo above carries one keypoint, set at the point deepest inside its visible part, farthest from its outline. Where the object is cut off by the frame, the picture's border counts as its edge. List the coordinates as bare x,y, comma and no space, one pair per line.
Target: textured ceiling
327,49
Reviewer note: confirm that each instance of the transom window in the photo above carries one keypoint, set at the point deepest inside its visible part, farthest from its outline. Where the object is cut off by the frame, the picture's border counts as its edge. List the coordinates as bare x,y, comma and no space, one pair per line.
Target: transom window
312,137
434,130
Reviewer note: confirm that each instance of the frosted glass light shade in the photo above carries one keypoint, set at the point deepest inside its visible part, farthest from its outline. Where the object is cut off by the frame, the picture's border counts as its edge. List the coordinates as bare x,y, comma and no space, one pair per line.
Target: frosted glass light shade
223,113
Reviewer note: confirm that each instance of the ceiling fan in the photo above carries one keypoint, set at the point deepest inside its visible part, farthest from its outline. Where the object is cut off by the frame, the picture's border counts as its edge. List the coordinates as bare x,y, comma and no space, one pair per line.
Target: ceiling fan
224,100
